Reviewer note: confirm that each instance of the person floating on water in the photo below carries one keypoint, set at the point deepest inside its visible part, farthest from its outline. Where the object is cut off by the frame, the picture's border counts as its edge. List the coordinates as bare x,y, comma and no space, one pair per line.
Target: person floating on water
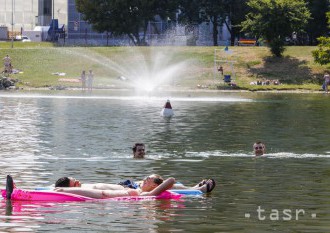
152,185
206,185
259,148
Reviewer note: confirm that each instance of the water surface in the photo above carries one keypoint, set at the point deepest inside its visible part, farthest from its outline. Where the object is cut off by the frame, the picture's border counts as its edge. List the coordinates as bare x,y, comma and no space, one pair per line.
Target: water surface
46,135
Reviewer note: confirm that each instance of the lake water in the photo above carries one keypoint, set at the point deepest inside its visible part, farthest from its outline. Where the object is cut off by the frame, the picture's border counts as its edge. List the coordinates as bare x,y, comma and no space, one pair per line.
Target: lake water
46,135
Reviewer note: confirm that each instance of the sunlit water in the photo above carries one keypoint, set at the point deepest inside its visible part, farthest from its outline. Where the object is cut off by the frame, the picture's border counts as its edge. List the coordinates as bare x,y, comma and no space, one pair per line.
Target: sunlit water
89,136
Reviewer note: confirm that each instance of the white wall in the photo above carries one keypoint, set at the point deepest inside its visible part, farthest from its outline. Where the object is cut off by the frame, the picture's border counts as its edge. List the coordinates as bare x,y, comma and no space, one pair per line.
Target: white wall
25,12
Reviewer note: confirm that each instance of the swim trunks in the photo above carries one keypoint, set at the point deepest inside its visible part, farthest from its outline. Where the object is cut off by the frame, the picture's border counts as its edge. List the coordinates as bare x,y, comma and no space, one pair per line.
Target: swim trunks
129,184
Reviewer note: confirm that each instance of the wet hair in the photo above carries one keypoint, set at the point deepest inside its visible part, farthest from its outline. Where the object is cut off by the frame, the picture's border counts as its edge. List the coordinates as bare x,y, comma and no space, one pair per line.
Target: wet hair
136,145
158,179
63,182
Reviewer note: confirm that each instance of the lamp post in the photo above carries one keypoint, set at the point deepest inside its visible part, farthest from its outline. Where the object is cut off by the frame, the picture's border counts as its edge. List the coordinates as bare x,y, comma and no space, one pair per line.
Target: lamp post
12,23
53,32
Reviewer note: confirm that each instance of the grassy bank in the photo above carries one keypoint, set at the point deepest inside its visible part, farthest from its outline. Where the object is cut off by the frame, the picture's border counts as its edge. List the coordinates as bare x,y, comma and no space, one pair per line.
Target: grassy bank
193,66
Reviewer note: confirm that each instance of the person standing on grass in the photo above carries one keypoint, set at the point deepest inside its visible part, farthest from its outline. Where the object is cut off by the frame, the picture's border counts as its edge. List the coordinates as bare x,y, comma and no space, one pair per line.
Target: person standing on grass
90,79
326,81
83,80
7,63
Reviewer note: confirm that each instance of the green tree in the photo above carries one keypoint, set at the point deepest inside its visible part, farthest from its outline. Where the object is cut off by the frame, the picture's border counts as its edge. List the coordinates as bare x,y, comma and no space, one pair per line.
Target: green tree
190,17
189,12
235,10
219,12
194,12
322,54
213,11
125,17
276,19
318,25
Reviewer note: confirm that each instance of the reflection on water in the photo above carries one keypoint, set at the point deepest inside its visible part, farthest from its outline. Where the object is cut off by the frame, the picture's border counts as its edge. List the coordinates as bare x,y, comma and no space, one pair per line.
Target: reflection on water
26,216
46,136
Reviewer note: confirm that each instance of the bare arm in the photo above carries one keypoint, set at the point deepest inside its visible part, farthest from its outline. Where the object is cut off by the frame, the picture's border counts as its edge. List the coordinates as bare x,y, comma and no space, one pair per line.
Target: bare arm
103,186
98,194
167,184
180,186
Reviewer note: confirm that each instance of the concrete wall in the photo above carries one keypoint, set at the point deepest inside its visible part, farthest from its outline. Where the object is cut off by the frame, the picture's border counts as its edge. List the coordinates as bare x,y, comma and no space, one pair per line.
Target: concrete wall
25,13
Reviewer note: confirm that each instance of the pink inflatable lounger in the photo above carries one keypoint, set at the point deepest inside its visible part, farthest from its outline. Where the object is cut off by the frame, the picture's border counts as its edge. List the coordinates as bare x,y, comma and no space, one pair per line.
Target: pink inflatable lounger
33,195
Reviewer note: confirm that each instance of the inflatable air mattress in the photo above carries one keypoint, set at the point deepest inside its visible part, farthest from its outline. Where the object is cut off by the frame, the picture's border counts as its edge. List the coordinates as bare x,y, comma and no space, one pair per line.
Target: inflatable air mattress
35,195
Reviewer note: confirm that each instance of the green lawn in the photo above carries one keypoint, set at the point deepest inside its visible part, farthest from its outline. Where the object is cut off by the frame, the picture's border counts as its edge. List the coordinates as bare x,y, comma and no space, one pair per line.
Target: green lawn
37,61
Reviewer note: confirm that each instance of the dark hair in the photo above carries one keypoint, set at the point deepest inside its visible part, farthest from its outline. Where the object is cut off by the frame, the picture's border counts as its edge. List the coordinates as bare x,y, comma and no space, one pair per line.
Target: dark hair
158,181
63,182
136,145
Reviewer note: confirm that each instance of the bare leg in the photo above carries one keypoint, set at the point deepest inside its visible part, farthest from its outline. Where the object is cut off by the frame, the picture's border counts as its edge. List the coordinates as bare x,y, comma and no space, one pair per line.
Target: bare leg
181,186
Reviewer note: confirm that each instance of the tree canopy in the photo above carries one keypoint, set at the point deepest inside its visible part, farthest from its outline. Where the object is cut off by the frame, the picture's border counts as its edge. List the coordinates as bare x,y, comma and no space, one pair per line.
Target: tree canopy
124,17
322,54
213,11
273,20
317,26
276,19
217,12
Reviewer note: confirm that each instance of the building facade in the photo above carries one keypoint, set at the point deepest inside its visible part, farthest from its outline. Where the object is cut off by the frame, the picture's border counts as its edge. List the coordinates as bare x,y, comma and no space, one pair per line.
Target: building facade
27,14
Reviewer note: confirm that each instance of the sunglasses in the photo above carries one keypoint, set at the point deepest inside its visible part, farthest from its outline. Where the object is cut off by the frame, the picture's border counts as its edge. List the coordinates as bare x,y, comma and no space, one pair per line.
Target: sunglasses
156,180
258,148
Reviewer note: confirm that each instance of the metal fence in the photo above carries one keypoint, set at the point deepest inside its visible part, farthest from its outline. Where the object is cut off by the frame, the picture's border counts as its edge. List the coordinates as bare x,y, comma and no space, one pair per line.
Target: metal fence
158,34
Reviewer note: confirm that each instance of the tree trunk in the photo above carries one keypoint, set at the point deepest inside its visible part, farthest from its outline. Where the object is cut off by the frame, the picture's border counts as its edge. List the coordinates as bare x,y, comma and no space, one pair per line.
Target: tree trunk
215,30
232,32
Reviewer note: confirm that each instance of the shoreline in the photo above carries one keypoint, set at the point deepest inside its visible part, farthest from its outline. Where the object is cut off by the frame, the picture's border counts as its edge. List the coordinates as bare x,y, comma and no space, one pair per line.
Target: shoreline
179,90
